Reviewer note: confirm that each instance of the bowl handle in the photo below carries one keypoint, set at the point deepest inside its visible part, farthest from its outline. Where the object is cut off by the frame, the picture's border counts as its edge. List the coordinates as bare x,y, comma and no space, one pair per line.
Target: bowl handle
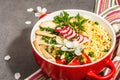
109,65
43,15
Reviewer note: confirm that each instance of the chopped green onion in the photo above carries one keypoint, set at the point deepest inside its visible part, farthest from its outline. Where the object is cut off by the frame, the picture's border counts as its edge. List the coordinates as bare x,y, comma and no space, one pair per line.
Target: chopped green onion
46,39
53,41
91,54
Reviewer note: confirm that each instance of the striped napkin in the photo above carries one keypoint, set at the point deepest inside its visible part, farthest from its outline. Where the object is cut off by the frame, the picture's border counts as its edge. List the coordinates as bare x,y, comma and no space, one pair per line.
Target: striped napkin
110,10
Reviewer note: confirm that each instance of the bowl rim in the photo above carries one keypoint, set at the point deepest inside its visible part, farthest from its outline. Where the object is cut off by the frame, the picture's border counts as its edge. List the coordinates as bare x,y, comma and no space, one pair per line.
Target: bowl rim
88,12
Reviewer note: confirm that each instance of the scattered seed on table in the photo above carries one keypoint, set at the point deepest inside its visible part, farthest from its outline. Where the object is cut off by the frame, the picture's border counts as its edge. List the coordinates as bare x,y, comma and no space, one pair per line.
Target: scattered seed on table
30,10
17,76
44,10
7,57
39,8
27,22
37,14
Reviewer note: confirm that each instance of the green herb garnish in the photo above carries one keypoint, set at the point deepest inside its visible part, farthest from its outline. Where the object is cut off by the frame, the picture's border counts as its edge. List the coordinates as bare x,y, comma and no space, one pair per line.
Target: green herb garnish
59,52
49,40
69,56
52,48
46,39
91,54
64,19
53,41
52,31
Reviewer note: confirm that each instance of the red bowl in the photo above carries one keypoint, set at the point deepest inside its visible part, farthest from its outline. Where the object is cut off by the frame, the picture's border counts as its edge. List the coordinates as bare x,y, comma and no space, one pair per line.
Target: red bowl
78,72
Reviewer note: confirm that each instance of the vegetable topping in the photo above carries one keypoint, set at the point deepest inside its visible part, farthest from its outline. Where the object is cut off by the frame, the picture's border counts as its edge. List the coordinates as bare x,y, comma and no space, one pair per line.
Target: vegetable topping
71,40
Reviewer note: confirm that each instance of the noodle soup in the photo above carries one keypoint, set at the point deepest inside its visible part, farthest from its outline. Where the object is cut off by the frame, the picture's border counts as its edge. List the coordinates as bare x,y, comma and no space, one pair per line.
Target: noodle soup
72,40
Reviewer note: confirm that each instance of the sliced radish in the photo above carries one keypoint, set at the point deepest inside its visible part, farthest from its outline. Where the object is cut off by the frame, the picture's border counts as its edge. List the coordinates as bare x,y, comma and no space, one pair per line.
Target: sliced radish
58,29
85,39
65,31
65,27
69,33
80,38
61,28
72,36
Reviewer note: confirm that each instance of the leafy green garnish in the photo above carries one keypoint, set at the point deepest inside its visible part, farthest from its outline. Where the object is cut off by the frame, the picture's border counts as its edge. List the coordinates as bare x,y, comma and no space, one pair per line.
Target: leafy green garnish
78,17
53,41
49,40
91,54
52,31
46,39
52,48
64,19
59,53
80,21
69,56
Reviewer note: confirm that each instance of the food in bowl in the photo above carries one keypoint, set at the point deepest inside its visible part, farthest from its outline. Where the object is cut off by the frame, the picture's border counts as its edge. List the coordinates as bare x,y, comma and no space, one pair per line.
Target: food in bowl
72,40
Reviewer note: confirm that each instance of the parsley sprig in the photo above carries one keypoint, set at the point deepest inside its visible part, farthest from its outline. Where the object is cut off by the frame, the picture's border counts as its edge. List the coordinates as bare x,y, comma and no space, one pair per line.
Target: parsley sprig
64,19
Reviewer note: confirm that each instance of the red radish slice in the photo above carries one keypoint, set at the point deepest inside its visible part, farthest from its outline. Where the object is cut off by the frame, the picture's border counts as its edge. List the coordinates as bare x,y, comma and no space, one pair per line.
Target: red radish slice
65,31
58,29
65,27
61,28
72,36
81,38
85,39
69,33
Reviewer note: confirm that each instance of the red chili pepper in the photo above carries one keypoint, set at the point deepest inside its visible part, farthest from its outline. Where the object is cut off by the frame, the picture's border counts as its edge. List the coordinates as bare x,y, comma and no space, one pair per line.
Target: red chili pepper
61,61
75,61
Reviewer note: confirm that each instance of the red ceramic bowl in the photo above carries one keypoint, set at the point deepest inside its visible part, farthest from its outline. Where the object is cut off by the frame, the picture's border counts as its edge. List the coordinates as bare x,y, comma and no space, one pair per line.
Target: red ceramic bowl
78,72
